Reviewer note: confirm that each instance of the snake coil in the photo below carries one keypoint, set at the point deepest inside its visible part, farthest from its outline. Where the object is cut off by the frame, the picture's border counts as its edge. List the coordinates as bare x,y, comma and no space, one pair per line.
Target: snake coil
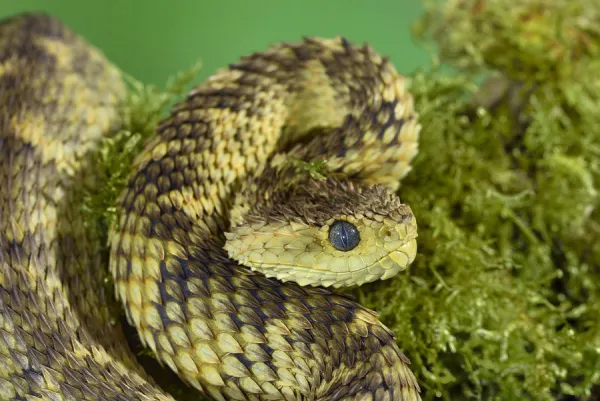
224,248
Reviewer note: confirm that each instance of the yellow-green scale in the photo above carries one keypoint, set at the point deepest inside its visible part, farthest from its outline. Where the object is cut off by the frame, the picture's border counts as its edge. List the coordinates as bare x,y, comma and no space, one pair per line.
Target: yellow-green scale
228,331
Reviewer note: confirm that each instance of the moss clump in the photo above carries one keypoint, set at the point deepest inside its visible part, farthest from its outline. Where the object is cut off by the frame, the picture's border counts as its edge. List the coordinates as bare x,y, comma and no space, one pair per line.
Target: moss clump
502,302
144,106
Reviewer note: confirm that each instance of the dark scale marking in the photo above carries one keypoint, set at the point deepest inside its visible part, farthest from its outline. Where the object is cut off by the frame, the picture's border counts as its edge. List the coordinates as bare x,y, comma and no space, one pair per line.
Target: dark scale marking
302,53
328,335
24,48
347,45
250,81
400,124
391,119
248,66
284,62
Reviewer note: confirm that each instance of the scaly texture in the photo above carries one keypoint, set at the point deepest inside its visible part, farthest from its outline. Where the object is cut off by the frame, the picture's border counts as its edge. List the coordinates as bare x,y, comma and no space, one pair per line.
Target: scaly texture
58,96
223,153
227,330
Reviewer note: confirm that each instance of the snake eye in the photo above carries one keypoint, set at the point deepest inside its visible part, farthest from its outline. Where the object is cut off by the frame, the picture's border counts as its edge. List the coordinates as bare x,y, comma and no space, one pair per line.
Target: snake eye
343,236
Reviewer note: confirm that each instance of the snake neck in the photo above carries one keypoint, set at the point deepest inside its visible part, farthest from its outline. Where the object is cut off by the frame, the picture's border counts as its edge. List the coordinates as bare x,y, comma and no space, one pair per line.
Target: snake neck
228,331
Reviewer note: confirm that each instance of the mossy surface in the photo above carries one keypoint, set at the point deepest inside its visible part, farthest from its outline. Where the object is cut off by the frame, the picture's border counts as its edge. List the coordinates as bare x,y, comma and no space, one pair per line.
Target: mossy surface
503,300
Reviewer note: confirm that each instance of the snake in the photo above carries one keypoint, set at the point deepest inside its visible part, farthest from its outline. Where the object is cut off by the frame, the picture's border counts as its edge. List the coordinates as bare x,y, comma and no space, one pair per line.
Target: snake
228,251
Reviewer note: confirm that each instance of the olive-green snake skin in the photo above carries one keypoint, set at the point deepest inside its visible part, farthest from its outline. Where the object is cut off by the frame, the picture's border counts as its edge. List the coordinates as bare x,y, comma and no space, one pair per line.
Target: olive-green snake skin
217,220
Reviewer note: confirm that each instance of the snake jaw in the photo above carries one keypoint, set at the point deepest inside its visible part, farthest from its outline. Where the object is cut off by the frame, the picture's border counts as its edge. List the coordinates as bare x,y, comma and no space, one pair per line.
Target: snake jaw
302,253
402,257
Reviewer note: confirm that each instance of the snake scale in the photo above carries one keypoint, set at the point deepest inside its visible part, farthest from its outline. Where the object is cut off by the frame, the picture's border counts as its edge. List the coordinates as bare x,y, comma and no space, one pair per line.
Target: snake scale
215,221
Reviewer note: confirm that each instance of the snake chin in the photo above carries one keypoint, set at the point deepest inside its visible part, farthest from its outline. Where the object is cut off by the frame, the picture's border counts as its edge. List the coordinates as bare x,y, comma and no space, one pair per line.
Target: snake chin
402,257
311,266
383,269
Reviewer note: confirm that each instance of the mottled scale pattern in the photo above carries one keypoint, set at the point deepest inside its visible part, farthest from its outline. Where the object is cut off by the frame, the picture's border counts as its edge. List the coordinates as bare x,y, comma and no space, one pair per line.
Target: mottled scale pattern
232,333
284,233
228,331
58,96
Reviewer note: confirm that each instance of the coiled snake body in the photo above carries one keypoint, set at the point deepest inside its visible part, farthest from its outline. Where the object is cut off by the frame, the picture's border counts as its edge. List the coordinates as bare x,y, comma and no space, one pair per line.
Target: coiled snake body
216,220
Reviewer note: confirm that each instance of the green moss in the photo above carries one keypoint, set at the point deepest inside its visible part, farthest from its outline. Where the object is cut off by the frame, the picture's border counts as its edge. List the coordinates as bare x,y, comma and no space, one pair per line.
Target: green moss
502,301
144,106
317,169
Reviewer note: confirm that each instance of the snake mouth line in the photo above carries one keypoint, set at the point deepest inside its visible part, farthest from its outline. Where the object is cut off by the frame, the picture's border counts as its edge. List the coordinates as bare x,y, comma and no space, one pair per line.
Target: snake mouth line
404,253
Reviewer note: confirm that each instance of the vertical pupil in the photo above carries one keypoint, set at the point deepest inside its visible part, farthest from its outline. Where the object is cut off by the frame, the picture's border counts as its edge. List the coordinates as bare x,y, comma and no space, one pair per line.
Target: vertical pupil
343,236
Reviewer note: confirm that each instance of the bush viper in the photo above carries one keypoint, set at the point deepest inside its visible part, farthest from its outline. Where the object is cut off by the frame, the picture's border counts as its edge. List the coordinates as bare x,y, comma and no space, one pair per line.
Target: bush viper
223,248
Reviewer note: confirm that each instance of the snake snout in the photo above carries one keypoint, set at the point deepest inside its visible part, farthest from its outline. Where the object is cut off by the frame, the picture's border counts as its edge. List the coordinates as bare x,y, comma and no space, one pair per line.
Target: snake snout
402,257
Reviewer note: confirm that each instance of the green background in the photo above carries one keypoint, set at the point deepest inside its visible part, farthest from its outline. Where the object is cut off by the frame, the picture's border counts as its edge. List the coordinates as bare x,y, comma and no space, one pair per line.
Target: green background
151,40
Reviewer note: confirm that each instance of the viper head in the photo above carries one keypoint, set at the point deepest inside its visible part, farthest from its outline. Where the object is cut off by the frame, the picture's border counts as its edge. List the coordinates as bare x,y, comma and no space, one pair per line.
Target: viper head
326,233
